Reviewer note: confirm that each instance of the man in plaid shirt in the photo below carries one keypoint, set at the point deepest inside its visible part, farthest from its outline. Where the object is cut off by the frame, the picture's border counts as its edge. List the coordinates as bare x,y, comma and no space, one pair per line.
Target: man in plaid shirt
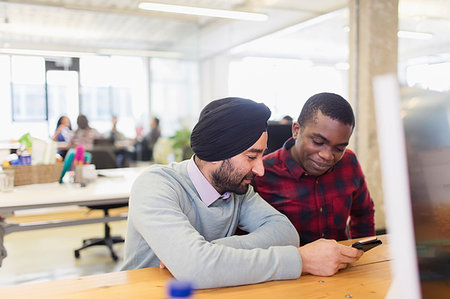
314,180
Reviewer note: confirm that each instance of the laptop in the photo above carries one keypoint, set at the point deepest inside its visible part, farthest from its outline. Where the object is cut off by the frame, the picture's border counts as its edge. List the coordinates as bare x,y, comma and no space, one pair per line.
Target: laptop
414,141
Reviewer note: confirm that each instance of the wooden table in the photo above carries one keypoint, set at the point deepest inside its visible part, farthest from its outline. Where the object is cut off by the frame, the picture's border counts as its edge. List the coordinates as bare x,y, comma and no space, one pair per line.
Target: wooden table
370,277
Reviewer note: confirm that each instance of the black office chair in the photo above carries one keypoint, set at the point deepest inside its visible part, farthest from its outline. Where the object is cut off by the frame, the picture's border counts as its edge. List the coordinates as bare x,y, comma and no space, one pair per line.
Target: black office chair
107,240
103,158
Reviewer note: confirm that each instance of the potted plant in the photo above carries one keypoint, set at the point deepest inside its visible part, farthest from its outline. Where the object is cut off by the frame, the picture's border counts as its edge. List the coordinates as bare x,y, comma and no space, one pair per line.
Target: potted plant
182,144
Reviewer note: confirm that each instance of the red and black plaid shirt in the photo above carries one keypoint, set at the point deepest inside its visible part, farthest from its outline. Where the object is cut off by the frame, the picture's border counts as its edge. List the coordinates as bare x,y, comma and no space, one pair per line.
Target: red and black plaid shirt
318,207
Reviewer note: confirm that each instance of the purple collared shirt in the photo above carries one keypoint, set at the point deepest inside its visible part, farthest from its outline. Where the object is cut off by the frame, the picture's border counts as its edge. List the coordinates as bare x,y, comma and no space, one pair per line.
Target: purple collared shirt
206,191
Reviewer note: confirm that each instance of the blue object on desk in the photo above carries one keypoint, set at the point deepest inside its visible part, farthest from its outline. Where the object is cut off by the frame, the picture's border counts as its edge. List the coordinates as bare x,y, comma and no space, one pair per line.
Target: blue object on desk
69,160
67,164
87,157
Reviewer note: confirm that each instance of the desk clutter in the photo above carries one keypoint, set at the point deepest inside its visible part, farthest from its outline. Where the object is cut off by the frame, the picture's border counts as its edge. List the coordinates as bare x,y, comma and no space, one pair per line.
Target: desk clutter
36,174
34,162
37,162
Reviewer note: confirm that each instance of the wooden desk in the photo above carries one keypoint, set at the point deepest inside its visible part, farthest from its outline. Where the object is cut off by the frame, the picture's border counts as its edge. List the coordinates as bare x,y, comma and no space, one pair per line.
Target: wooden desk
114,187
370,277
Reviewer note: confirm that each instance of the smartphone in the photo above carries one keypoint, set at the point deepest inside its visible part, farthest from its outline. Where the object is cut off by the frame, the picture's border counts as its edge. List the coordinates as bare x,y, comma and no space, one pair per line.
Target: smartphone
367,244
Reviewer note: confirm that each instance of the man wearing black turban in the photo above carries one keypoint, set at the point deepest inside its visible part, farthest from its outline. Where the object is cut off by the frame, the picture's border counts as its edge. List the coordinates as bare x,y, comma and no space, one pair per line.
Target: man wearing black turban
184,216
227,128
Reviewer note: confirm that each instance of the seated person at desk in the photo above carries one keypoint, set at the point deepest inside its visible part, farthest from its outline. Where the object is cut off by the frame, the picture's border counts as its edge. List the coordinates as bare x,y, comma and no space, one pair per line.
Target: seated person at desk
183,216
63,135
115,134
120,144
314,180
84,135
144,147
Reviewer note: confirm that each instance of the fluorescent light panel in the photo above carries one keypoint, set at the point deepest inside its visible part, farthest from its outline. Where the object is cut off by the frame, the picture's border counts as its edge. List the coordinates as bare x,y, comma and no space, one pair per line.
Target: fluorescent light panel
48,53
406,34
123,52
199,11
144,53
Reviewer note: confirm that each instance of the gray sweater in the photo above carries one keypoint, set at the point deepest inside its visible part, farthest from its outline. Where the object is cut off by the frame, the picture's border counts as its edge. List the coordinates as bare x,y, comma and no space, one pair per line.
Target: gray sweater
168,222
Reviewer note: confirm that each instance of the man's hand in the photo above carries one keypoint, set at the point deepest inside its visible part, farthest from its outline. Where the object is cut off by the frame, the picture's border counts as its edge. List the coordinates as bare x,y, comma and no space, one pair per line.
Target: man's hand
326,257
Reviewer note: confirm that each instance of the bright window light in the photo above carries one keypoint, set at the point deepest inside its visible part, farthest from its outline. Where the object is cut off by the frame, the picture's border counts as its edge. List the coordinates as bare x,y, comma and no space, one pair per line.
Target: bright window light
414,35
283,85
429,76
199,11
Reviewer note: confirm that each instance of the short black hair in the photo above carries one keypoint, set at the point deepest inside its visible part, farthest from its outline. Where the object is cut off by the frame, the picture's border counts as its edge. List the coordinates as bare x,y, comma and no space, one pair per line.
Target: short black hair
288,118
330,104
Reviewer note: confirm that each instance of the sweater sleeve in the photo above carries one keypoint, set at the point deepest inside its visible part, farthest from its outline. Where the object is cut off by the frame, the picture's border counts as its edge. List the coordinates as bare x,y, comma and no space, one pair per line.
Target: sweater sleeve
159,218
266,226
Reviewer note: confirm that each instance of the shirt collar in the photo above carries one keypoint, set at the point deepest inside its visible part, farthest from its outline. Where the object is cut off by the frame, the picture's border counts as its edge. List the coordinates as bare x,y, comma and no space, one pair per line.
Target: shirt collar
208,194
294,168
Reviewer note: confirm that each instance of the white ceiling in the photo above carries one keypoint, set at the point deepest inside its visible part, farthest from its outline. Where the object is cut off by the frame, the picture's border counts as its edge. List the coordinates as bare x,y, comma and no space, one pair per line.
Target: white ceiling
118,26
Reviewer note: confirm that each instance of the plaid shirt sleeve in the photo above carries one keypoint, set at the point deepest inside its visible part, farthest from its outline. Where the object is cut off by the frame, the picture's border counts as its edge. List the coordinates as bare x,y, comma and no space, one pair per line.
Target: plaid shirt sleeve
362,212
318,207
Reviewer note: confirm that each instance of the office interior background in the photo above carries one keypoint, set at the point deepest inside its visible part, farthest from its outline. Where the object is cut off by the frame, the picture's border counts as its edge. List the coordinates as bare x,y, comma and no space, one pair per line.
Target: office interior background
109,57
105,58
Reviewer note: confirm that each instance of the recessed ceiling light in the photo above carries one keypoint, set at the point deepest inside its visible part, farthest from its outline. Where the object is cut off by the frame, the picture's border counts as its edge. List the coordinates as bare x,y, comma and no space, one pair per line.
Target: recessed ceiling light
199,11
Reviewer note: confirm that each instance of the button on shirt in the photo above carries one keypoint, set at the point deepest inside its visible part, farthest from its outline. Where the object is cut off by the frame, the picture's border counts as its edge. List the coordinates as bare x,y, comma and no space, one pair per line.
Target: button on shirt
208,194
318,207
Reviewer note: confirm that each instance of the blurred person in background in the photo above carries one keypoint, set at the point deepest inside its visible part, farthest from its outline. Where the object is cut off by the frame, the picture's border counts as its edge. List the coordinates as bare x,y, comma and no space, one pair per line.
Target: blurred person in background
115,134
120,144
63,135
84,135
144,148
286,120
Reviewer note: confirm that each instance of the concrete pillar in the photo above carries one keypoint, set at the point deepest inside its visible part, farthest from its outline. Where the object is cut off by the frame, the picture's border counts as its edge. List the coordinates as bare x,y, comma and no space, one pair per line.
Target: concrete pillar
373,51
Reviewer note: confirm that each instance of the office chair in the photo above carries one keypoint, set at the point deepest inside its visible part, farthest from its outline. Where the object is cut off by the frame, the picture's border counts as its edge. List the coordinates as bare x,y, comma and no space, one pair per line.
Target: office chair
103,158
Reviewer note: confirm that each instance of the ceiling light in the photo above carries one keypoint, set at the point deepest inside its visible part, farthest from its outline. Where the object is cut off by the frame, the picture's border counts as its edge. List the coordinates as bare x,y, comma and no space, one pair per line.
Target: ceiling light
199,11
414,35
406,34
144,53
45,53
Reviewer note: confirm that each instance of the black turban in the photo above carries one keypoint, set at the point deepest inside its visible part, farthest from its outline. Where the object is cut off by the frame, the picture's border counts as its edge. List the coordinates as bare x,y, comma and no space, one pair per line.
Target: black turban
228,127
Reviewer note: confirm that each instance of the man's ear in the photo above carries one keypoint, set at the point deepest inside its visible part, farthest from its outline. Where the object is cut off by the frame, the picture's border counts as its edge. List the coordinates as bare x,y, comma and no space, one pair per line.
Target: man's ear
296,129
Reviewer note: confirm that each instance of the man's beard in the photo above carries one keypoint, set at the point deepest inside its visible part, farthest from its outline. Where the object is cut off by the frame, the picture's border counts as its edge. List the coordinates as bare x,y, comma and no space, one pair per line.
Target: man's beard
227,179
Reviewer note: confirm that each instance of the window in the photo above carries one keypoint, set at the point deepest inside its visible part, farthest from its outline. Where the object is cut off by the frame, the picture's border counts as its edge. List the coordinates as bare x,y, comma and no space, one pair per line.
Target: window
110,86
283,85
62,93
174,93
429,76
28,88
95,88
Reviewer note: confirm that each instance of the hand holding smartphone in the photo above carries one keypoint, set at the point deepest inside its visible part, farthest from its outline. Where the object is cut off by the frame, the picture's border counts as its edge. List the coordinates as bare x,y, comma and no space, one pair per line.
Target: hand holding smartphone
367,244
